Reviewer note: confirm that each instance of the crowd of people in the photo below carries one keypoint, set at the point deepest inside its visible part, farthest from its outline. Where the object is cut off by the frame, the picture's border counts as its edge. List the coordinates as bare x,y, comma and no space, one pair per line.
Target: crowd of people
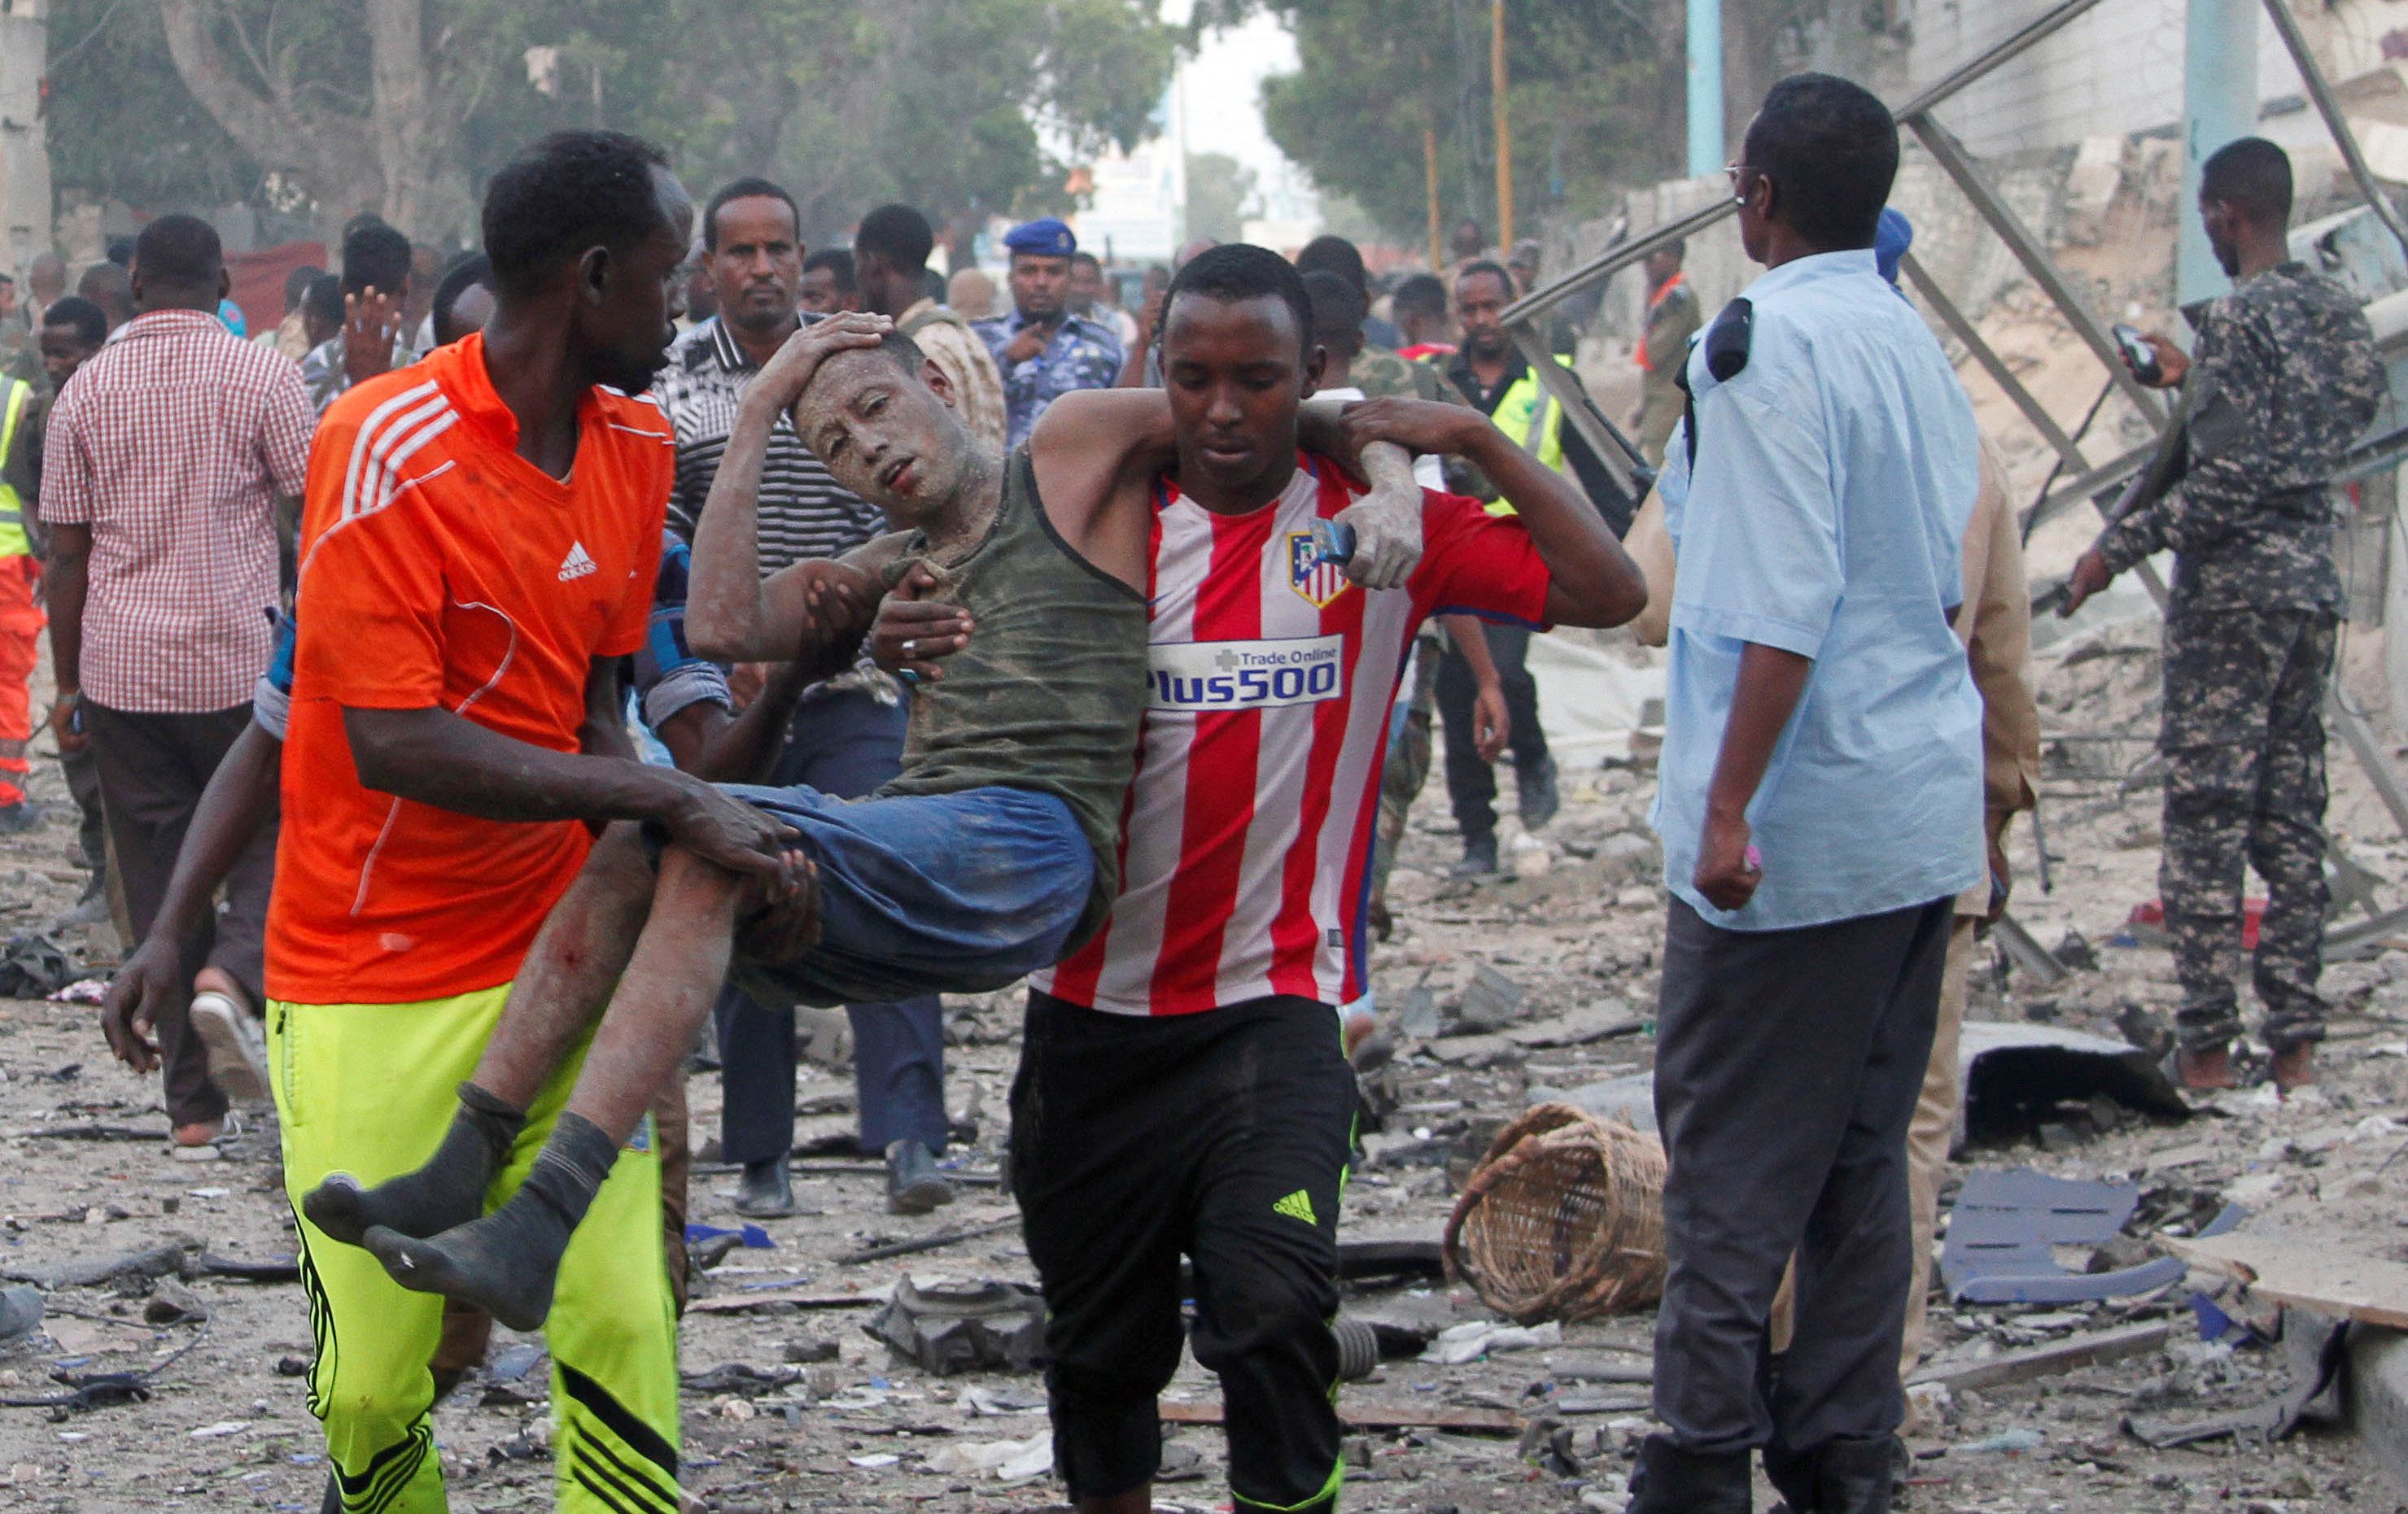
513,670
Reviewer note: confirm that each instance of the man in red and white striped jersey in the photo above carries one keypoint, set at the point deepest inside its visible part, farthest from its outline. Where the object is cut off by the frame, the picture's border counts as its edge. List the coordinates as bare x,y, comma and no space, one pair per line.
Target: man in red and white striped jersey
1182,1084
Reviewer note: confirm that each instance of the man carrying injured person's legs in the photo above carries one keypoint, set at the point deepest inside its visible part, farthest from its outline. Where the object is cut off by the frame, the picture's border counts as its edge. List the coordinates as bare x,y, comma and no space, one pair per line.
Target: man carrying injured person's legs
991,855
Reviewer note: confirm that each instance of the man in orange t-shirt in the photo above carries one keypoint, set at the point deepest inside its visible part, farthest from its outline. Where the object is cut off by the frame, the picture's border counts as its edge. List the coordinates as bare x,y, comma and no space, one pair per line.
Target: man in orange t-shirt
478,551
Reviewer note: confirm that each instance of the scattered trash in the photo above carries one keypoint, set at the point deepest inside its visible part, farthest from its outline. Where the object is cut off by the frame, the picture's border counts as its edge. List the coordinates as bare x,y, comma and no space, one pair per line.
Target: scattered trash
2215,1324
82,991
1563,1218
2017,1076
2005,1224
947,1325
1476,1338
283,1269
1006,1460
223,1428
871,1464
1391,1264
152,1261
928,1243
740,1378
33,967
1002,1403
1358,1349
2007,1442
747,1235
2255,1426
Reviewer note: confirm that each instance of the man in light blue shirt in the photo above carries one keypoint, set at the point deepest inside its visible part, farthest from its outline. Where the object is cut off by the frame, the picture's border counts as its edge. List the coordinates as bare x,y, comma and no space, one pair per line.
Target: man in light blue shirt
1820,805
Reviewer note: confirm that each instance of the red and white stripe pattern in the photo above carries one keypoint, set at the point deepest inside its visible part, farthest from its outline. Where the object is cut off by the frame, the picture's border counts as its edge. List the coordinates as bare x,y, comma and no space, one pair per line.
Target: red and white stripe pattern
1250,822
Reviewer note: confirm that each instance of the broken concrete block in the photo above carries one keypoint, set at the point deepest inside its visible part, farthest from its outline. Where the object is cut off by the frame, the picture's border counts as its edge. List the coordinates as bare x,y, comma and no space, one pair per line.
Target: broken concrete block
1491,1002
947,1325
2090,188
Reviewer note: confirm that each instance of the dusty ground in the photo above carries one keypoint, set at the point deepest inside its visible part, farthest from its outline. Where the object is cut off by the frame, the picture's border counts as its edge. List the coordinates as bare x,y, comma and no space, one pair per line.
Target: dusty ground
226,1429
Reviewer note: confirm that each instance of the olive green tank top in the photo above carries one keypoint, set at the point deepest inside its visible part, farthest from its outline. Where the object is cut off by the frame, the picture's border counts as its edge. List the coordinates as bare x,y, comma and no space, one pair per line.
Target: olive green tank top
1048,693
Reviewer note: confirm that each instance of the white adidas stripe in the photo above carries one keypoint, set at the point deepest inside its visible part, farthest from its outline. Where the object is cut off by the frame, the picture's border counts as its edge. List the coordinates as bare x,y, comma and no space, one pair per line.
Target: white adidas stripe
366,436
397,440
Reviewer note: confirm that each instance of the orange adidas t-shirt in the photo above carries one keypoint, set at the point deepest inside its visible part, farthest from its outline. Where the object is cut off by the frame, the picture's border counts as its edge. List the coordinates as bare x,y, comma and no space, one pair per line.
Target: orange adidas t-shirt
439,567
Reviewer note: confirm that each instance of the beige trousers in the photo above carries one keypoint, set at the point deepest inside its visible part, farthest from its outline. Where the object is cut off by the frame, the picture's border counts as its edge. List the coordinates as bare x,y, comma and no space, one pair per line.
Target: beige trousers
1926,1150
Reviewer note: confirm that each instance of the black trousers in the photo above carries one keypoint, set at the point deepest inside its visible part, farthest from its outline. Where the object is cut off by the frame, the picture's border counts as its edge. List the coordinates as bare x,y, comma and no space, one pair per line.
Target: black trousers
1470,782
1787,1067
845,743
1224,1136
152,768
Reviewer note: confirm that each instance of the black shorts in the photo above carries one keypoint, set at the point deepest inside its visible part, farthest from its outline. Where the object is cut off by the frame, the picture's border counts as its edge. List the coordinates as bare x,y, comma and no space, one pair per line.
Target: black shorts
1223,1136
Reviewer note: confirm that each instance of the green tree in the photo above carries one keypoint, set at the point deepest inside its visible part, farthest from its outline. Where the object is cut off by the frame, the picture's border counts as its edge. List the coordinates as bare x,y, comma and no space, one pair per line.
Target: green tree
403,107
1592,85
1220,195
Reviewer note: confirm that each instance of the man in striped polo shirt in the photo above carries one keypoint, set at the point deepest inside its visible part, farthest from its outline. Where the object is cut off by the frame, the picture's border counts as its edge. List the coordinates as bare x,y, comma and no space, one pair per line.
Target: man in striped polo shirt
1182,1086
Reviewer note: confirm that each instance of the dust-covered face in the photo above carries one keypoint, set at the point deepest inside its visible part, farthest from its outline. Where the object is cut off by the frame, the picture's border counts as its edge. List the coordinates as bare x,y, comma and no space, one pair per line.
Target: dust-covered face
887,435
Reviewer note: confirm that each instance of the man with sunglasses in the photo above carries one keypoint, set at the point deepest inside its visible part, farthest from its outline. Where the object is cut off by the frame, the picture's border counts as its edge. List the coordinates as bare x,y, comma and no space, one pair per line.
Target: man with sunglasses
1820,807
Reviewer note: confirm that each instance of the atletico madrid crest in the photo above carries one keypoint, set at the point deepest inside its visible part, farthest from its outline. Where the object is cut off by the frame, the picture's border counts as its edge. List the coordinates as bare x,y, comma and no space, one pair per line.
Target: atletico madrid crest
1317,581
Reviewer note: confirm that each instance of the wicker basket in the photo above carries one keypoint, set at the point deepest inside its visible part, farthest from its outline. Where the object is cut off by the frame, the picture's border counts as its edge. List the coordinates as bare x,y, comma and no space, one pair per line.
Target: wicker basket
1563,1218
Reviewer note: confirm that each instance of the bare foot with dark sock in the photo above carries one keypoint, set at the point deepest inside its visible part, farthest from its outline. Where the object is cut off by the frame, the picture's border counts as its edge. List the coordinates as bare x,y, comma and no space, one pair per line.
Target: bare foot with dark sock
505,1263
449,1190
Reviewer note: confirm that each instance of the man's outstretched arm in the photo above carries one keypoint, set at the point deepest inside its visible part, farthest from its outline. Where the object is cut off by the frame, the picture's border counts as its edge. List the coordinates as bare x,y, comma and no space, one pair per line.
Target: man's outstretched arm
1593,581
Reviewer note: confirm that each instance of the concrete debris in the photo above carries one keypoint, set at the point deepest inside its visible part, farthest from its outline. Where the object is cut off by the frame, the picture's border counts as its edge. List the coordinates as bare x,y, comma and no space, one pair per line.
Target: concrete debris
946,1325
21,1311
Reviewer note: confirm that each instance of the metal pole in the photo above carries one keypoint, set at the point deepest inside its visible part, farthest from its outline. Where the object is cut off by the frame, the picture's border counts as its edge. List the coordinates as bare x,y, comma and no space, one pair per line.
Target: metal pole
1991,363
2038,29
1947,151
2108,475
1429,176
1500,82
1617,453
1606,264
2220,105
1705,87
2288,28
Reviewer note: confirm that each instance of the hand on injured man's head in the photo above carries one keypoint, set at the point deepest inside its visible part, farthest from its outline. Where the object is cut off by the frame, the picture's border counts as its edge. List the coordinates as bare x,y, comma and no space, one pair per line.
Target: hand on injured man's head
789,371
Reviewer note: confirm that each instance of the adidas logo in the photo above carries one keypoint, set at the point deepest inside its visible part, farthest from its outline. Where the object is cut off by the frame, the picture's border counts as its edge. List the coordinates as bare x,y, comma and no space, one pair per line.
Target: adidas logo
576,564
1297,1205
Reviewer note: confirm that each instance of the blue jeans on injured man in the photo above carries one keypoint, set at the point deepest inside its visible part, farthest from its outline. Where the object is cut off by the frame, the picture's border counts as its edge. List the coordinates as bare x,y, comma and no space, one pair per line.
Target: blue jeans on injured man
928,893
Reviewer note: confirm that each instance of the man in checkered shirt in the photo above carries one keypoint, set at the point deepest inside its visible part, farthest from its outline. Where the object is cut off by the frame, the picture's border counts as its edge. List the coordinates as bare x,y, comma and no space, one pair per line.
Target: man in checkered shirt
164,468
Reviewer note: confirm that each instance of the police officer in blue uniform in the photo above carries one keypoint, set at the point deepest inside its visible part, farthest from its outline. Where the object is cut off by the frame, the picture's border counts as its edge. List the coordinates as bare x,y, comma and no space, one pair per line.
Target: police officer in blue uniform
1042,350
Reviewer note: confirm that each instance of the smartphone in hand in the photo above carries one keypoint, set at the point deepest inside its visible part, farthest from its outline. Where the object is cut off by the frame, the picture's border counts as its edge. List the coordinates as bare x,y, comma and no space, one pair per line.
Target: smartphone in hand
2139,355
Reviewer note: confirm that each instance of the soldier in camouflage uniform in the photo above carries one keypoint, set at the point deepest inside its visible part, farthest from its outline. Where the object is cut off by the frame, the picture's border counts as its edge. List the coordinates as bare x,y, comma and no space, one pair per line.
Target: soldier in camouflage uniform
2285,379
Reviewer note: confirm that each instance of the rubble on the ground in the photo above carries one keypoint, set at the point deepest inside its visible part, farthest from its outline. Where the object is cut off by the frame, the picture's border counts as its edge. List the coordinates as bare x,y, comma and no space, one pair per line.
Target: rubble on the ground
792,1404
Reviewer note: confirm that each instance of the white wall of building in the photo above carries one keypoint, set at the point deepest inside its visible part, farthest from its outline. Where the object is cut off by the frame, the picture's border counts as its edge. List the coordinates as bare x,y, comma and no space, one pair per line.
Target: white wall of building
2116,70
